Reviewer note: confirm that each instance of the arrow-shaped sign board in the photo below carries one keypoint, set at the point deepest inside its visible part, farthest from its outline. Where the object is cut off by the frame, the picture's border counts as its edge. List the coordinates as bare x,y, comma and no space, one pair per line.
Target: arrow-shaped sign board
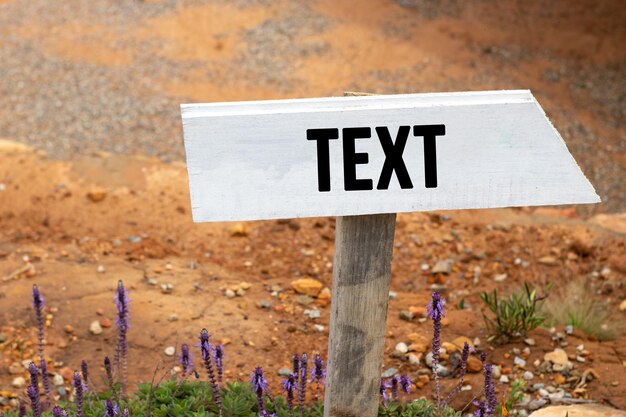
376,154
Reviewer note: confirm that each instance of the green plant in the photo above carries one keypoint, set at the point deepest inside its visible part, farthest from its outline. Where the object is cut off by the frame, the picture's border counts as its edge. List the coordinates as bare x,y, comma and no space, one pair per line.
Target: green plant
513,317
518,387
578,305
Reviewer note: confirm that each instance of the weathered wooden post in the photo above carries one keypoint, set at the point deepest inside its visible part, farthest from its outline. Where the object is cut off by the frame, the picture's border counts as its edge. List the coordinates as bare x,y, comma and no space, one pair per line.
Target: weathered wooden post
338,157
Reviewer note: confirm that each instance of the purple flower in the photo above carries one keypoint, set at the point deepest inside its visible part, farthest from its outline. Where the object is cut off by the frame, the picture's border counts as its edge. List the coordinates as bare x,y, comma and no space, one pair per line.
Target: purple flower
185,358
435,313
490,390
22,410
45,381
219,361
394,388
121,350
34,375
110,409
296,366
109,374
59,412
289,386
84,370
435,306
384,386
318,374
260,387
205,347
33,395
78,392
38,304
304,363
405,383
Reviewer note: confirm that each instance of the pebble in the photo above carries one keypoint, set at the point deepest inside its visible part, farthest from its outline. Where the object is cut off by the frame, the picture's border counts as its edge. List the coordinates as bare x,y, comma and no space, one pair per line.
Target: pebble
569,329
528,375
101,269
500,277
414,359
558,357
393,295
406,315
402,348
308,286
229,293
312,314
504,379
319,328
388,373
519,362
170,351
95,327
264,304
167,288
622,306
442,267
18,382
530,341
284,372
466,388
57,380
172,317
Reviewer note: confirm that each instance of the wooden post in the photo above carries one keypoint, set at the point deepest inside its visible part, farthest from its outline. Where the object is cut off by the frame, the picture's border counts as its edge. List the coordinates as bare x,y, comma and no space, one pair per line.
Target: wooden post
361,277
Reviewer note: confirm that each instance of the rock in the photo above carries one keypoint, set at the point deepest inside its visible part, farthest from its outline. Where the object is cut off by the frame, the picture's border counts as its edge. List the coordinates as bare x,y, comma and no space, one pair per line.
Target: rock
500,277
95,327
528,375
547,260
96,194
569,329
303,299
106,323
172,317
15,369
393,295
559,379
474,365
18,382
264,304
418,347
622,306
389,373
312,314
496,371
519,362
406,315
558,356
57,380
284,372
101,269
167,288
319,328
229,293
442,267
536,404
170,351
504,379
461,340
308,286
442,370
450,347
530,341
579,410
325,294
414,359
402,348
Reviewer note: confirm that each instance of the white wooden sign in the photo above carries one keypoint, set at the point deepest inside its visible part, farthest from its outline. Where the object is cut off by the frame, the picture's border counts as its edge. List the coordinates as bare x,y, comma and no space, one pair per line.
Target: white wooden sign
376,154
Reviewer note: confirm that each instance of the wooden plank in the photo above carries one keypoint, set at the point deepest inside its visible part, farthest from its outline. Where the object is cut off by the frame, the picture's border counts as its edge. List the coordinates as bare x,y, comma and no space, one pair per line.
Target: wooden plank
360,293
253,160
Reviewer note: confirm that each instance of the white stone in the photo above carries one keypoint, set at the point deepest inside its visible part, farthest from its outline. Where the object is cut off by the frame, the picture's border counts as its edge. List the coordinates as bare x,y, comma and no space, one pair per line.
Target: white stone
95,328
170,350
57,380
18,382
402,348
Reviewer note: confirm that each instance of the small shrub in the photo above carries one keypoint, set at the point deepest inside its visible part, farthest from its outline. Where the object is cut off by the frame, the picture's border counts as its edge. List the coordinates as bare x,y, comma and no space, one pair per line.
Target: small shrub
514,317
576,304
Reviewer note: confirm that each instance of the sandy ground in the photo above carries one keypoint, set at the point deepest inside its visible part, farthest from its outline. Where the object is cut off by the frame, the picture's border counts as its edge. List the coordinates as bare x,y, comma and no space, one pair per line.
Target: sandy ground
80,78
105,75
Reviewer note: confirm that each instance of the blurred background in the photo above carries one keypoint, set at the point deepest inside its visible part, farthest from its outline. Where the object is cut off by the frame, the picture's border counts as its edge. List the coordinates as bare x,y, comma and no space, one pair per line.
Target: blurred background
106,75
